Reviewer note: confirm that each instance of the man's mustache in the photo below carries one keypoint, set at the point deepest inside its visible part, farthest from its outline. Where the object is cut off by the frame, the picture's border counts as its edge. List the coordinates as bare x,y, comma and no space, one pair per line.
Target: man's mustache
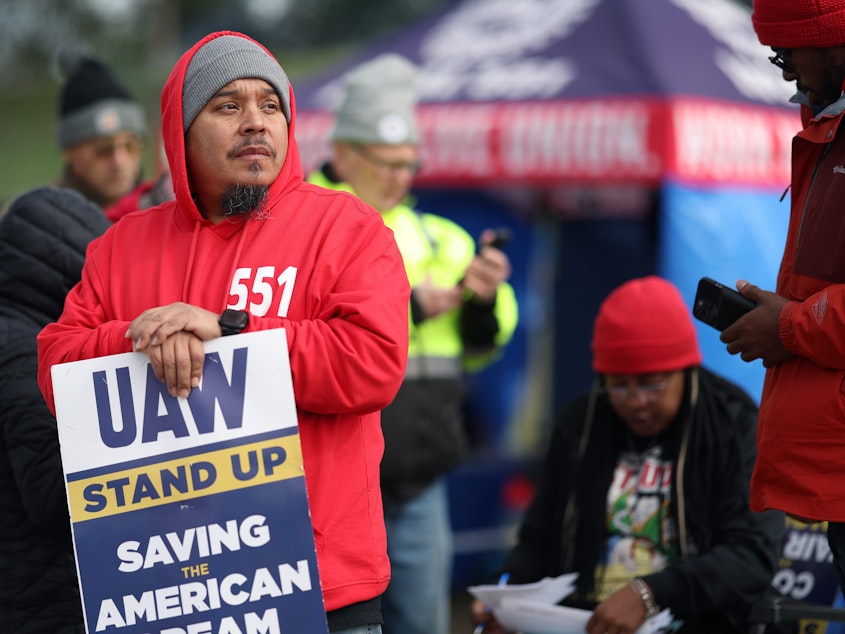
251,143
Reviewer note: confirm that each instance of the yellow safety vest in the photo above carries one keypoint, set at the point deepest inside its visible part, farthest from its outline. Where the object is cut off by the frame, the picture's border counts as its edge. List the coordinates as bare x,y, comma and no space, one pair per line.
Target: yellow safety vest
436,247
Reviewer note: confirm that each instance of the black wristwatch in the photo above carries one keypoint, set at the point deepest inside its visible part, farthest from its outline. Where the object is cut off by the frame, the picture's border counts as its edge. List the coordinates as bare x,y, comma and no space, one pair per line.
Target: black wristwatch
232,322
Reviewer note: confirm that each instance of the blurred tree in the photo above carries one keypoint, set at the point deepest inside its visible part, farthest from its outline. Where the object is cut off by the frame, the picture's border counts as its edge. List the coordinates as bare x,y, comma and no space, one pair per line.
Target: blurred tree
329,21
289,24
33,32
141,40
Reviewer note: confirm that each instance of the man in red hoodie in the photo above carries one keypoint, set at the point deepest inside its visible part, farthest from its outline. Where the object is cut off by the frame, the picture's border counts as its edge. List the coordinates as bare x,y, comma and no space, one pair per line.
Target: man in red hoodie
245,246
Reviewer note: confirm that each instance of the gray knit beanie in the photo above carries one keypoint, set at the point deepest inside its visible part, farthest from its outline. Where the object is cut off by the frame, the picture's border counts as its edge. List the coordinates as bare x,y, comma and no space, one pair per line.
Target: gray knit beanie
225,59
379,103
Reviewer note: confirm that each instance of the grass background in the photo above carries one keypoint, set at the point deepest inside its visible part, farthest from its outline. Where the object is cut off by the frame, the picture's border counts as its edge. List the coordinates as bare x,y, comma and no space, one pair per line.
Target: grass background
30,154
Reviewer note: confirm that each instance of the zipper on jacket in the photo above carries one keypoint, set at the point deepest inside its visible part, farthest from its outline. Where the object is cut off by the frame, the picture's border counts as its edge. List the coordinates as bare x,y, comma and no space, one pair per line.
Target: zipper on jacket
809,192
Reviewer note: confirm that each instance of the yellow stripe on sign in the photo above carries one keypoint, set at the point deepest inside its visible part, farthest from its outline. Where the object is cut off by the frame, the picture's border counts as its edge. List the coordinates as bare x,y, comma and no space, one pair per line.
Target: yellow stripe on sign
187,478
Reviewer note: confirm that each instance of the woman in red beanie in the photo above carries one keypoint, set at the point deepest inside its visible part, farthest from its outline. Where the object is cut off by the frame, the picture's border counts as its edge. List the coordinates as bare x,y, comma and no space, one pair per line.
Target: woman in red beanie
798,331
644,489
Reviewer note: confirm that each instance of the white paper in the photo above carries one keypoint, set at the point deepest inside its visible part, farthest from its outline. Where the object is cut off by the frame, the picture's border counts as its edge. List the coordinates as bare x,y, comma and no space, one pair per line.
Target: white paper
546,591
522,615
533,617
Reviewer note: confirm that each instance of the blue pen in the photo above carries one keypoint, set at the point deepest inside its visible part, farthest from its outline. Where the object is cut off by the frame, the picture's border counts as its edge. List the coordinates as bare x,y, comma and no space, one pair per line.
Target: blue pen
503,581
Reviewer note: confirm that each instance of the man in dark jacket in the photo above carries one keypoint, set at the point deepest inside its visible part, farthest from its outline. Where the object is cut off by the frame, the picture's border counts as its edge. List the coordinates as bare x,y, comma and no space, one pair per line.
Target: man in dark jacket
101,133
644,491
43,237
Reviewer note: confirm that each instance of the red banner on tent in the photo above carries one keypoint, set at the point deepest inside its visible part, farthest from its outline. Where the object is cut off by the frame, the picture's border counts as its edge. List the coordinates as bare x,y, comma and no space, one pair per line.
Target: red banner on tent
591,141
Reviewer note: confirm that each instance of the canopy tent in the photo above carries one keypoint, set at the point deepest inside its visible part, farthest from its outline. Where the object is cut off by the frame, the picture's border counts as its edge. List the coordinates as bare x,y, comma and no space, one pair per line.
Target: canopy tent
667,107
550,92
622,137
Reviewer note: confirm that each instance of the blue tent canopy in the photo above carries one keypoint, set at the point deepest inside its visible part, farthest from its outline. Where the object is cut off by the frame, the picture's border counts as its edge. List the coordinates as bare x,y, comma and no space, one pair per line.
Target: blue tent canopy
491,51
622,138
660,111
545,92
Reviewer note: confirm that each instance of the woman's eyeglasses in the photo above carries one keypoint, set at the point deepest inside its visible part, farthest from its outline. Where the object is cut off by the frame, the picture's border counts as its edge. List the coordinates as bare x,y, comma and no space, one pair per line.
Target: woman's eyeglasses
647,392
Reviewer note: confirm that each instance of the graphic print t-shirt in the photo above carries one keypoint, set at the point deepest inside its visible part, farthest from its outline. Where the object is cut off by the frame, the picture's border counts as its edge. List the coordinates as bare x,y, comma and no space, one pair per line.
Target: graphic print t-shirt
641,533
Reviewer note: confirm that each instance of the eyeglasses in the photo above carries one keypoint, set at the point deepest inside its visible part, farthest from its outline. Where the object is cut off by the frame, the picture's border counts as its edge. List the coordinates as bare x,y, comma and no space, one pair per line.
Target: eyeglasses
782,59
386,167
647,392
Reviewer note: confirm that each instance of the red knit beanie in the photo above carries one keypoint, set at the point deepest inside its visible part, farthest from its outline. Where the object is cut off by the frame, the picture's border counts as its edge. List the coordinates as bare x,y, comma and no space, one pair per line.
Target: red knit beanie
644,327
799,23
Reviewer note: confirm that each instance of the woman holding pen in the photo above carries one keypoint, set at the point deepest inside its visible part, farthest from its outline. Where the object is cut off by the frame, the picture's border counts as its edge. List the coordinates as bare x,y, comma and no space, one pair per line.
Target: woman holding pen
644,488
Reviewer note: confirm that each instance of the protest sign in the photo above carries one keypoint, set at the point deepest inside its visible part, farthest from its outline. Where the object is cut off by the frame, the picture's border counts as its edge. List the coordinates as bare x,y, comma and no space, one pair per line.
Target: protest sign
806,571
190,516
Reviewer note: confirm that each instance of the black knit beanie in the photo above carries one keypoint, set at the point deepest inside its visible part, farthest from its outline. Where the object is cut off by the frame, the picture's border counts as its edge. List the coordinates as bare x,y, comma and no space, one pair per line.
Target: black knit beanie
94,103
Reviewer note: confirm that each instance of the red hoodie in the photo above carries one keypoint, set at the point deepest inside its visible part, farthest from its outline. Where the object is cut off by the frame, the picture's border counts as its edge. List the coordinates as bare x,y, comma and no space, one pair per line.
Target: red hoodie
326,256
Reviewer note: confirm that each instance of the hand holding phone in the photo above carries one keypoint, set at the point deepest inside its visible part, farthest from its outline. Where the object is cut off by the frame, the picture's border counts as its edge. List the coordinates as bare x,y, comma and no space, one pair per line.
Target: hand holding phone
718,305
501,239
486,272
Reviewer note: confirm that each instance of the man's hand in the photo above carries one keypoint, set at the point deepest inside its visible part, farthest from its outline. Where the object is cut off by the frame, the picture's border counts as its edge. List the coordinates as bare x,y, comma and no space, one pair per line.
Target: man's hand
172,337
489,268
434,300
756,335
623,612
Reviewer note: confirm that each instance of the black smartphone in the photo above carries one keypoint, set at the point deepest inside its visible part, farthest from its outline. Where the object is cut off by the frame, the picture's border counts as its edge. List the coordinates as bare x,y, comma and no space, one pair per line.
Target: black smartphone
718,305
501,240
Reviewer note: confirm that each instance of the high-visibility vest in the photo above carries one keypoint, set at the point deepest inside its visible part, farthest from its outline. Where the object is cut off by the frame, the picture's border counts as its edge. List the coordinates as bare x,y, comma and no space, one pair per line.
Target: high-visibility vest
438,248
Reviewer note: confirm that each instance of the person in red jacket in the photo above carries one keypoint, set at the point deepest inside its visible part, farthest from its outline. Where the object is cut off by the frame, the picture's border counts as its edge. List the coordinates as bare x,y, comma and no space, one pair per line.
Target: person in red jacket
247,245
799,331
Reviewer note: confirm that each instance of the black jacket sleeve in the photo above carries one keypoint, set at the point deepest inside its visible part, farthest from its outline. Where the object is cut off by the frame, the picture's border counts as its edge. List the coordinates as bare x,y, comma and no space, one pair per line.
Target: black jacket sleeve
31,439
479,325
537,552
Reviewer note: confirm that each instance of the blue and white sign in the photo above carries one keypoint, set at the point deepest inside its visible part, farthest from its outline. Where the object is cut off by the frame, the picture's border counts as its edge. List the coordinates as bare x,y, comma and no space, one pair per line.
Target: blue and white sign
190,516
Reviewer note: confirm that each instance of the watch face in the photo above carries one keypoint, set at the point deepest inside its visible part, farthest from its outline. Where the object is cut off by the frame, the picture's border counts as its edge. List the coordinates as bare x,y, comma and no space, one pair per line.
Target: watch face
233,321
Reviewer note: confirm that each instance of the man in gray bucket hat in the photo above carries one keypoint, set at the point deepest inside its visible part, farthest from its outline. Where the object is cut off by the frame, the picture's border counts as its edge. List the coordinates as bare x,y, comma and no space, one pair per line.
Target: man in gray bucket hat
463,312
